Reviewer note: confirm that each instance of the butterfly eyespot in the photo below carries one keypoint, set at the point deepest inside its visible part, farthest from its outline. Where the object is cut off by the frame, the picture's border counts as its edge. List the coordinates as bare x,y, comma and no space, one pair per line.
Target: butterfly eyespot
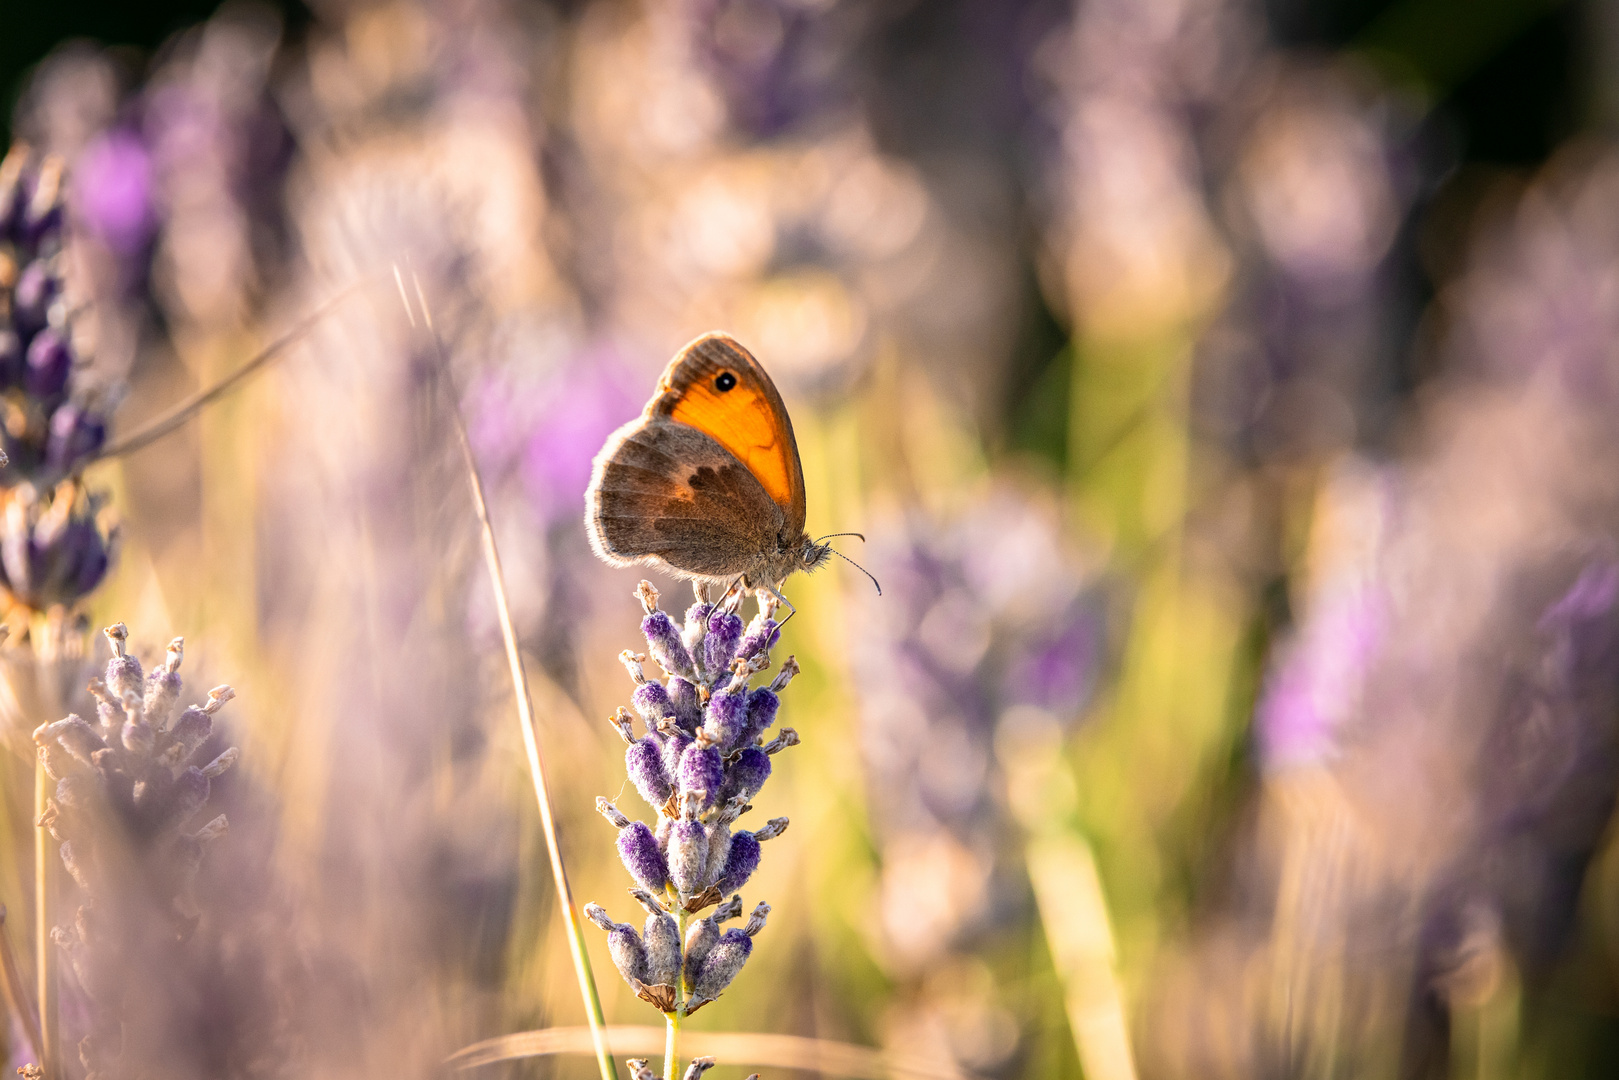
724,381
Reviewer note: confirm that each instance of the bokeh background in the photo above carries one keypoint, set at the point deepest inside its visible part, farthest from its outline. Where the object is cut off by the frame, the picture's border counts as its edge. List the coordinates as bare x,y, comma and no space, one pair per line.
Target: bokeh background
1226,391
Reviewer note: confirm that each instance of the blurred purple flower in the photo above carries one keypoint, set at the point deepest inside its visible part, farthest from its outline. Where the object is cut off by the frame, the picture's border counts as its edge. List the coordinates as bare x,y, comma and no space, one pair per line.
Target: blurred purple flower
983,618
1314,687
552,432
112,191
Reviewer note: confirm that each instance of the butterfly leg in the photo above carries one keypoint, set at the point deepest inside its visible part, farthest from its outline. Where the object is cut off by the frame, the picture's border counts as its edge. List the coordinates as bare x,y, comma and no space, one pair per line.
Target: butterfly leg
735,593
791,611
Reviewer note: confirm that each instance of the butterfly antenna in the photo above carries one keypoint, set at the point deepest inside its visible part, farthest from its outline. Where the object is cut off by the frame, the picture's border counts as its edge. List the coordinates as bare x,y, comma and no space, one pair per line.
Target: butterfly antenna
854,564
829,536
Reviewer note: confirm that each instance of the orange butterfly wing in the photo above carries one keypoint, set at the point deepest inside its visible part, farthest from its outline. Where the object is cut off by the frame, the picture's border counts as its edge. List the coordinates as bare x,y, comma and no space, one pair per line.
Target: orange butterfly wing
748,418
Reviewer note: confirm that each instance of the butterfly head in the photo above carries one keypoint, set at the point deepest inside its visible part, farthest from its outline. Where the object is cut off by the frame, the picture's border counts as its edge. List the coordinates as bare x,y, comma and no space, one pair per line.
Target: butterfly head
811,555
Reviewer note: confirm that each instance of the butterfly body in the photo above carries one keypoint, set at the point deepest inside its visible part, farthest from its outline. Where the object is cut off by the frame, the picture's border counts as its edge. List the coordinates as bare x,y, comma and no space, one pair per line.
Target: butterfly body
706,483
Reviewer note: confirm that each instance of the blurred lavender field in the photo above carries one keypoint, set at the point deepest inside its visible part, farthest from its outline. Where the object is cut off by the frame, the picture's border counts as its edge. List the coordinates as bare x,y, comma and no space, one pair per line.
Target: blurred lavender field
1227,392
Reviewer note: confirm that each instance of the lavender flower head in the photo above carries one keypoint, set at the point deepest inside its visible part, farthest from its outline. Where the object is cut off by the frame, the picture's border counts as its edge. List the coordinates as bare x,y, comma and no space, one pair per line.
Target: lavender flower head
53,547
50,427
126,792
702,758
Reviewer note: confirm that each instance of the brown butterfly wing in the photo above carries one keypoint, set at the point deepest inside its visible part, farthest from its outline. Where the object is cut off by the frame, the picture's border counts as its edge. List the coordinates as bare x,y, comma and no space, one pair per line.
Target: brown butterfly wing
664,492
749,420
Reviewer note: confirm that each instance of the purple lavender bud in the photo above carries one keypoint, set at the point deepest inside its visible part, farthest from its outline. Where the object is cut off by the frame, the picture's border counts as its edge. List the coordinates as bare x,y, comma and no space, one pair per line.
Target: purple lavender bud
188,733
644,763
702,770
688,704
49,362
663,642
688,856
639,850
762,634
651,700
721,964
76,433
762,706
162,691
84,557
719,644
726,718
745,775
623,944
31,299
661,936
124,675
740,863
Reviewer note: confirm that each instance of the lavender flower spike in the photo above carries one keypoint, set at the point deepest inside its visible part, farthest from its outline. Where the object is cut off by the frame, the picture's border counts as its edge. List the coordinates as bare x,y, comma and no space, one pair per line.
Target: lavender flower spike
698,767
124,800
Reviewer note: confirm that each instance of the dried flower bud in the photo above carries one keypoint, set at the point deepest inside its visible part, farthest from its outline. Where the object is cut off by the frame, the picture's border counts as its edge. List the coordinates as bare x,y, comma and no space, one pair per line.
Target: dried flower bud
221,763
624,724
73,734
773,828
639,1069
698,1067
788,670
632,662
784,738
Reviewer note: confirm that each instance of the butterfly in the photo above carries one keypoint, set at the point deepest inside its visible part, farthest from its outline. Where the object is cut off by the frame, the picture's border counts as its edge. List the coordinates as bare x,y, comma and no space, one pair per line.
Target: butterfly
706,483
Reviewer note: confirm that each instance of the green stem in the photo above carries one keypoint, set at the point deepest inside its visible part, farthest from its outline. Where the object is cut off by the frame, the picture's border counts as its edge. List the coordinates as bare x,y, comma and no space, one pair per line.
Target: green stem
671,1041
672,1020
